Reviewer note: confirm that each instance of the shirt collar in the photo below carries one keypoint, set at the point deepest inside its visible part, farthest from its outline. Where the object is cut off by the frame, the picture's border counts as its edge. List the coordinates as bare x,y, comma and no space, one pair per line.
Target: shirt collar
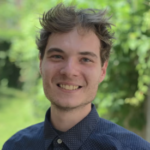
76,136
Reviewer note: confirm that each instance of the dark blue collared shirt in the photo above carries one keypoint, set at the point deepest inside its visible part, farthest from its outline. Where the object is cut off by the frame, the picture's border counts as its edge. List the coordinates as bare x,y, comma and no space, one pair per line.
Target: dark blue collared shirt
92,133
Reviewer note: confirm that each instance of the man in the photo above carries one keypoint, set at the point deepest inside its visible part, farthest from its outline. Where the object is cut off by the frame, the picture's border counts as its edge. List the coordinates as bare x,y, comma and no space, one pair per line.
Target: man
74,48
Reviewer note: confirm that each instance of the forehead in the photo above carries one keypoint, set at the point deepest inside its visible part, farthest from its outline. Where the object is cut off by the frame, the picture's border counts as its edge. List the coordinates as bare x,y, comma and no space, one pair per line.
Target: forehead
77,39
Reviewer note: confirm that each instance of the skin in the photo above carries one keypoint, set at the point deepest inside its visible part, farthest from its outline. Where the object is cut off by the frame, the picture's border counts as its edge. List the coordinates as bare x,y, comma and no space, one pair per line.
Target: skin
71,58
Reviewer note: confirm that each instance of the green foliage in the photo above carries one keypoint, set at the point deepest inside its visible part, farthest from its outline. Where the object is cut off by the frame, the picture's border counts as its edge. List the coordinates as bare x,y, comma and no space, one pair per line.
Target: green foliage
128,76
16,112
41,104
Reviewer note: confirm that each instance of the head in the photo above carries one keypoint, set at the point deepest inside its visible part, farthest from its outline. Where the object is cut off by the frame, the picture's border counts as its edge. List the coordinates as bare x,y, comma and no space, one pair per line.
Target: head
61,19
74,48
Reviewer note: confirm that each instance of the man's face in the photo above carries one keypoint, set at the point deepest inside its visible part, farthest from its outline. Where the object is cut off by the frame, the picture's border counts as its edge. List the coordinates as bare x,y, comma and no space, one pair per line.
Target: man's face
71,68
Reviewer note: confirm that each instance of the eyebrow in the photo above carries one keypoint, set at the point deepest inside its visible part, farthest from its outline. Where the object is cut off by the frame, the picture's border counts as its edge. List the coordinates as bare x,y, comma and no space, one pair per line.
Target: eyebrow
88,54
52,50
85,53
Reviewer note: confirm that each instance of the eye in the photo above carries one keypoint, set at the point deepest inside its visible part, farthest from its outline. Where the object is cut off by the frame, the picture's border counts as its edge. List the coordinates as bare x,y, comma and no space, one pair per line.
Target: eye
86,60
56,56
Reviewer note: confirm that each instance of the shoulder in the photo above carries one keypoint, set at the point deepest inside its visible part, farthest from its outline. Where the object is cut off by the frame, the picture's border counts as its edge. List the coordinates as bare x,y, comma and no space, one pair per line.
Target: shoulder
26,136
120,135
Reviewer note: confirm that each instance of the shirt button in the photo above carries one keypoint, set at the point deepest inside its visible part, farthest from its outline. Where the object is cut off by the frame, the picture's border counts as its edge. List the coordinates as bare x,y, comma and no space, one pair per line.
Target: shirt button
59,141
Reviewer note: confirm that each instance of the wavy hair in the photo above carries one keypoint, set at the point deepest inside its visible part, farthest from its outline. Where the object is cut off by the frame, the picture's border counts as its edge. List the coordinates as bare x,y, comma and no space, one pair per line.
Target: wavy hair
62,19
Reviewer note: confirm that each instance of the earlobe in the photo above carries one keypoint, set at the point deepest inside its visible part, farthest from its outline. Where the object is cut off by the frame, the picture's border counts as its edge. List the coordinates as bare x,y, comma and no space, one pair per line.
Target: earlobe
103,71
40,68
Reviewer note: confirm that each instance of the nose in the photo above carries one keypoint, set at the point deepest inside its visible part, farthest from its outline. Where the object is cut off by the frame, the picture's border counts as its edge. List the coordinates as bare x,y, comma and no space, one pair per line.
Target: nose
70,68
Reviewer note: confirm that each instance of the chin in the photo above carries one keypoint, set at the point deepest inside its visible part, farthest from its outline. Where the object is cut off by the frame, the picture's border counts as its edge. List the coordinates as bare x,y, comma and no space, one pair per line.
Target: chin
64,106
68,106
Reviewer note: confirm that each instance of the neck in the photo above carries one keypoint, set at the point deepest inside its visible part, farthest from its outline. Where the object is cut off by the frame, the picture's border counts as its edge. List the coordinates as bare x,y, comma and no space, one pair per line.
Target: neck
63,120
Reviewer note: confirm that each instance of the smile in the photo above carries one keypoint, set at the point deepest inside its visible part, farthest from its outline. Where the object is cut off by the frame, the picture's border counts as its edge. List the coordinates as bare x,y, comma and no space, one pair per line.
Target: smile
69,87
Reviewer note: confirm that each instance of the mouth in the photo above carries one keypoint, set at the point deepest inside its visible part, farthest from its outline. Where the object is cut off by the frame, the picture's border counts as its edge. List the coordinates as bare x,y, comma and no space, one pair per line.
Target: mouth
69,87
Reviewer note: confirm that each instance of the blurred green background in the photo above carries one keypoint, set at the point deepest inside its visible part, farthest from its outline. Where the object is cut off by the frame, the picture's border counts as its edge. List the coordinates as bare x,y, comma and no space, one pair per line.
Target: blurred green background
122,98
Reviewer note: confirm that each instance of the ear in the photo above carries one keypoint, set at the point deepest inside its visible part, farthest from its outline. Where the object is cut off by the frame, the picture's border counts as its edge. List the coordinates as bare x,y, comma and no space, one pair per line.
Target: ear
103,71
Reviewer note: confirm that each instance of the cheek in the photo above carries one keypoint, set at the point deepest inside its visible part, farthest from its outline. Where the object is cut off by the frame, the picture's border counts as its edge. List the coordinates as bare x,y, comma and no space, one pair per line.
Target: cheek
50,70
92,76
45,70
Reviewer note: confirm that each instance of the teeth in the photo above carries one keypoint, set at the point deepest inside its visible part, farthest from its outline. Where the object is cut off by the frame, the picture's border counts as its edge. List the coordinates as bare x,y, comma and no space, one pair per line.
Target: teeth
69,87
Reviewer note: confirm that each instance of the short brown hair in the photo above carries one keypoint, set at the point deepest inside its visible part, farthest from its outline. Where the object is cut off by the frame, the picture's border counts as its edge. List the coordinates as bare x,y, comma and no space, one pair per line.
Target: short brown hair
62,19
